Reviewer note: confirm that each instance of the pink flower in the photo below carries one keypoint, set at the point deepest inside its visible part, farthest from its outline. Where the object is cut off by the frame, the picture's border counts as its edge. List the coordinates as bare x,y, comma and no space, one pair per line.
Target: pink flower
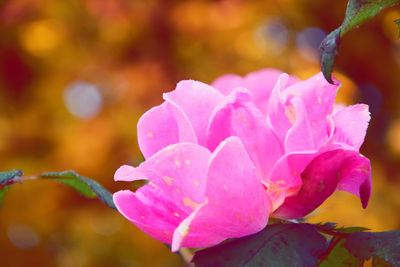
221,159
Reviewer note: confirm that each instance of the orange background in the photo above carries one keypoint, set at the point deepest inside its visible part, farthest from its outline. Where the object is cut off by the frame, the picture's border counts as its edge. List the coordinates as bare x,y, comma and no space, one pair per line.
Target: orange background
119,56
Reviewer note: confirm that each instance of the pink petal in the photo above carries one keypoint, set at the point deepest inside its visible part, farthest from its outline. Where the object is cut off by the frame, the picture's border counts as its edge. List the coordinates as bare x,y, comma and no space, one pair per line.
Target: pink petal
351,125
180,171
285,178
156,129
226,83
176,188
196,100
186,132
279,116
260,83
239,117
356,177
151,212
337,169
300,136
196,239
235,192
127,173
301,112
310,103
219,126
237,203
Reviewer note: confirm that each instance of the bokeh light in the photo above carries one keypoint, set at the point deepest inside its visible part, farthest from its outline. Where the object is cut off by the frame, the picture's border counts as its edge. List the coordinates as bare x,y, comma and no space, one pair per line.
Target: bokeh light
41,37
23,236
82,99
273,36
308,42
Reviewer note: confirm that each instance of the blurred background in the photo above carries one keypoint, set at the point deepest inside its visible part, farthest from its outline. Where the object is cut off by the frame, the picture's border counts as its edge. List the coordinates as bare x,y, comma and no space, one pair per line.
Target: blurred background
76,75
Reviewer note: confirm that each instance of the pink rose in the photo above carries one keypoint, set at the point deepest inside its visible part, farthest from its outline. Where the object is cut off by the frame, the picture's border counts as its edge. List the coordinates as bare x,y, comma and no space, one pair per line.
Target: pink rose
221,159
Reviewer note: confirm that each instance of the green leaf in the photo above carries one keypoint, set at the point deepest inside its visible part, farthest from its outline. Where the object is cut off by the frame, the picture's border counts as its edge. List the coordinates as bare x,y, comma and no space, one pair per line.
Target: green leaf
9,177
329,48
340,256
383,246
277,245
330,226
353,229
357,12
86,186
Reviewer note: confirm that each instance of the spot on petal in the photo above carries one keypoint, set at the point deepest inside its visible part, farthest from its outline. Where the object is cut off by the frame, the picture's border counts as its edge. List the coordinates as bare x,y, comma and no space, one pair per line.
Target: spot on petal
150,134
177,214
280,182
290,114
190,203
187,162
177,163
168,180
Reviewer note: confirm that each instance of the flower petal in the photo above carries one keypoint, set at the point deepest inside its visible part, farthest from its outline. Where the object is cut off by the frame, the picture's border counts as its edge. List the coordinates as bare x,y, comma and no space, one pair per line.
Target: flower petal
351,125
180,171
356,177
302,111
176,188
231,179
285,178
300,136
337,169
128,173
156,129
226,83
279,116
151,212
239,117
230,211
197,101
311,103
198,238
260,83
